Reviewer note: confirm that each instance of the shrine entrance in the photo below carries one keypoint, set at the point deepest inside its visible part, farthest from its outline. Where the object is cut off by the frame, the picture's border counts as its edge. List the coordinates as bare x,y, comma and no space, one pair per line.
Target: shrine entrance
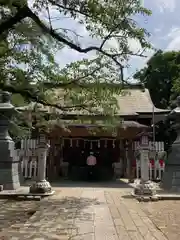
76,150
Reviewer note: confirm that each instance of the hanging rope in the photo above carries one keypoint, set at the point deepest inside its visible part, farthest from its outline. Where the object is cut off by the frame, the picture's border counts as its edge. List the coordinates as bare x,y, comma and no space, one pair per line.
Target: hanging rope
90,141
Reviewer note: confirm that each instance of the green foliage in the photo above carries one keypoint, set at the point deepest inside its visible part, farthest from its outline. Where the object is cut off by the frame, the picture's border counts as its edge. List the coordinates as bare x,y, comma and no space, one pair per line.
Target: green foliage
28,47
162,77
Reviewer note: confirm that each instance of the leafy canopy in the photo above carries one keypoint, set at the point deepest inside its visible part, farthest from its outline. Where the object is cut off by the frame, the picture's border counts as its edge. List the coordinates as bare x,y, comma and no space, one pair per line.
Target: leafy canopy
29,42
162,77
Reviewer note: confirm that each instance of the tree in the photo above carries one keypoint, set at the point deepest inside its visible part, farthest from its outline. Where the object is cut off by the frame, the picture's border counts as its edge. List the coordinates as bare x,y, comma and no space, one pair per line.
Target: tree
162,76
28,44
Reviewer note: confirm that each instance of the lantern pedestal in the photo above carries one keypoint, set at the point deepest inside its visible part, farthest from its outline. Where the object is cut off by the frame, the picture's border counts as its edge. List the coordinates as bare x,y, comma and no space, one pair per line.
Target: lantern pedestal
145,188
41,187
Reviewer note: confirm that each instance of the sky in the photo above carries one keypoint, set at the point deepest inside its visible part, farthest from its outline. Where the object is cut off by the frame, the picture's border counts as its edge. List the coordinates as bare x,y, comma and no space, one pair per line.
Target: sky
163,26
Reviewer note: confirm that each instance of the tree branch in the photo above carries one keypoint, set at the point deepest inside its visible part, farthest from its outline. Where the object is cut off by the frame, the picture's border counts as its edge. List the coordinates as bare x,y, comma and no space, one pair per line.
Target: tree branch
28,93
70,9
61,39
13,20
75,81
26,12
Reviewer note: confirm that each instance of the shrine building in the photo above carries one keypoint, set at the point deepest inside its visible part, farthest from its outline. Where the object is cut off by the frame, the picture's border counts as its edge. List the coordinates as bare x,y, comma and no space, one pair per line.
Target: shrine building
136,115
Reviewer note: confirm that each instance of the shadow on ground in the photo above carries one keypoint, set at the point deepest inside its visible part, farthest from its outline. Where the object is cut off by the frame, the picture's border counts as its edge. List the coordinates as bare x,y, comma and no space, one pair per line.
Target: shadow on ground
15,212
62,217
99,184
56,219
69,208
128,196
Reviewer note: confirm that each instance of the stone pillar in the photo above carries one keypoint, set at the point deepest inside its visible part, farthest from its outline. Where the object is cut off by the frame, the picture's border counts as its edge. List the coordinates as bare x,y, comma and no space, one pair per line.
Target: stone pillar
145,187
171,175
128,161
41,186
130,158
9,164
144,161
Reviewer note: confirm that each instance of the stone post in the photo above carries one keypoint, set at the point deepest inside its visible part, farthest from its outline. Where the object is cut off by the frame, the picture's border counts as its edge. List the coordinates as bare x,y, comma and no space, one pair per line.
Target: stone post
144,163
171,176
145,187
41,186
9,164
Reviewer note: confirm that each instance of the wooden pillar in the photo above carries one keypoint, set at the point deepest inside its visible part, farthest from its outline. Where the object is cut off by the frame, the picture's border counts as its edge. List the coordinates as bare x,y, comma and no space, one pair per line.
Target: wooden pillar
123,157
130,156
53,159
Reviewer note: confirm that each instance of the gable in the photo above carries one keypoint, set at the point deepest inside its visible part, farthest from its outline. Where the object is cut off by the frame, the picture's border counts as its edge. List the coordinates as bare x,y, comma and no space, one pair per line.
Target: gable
136,101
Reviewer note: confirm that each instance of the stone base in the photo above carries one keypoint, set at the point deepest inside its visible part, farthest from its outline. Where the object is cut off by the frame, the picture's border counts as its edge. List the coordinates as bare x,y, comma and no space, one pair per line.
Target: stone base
9,178
42,187
145,188
171,178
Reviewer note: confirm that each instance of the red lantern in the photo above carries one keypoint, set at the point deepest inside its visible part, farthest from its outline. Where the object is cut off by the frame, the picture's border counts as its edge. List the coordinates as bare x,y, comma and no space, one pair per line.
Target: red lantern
161,163
152,163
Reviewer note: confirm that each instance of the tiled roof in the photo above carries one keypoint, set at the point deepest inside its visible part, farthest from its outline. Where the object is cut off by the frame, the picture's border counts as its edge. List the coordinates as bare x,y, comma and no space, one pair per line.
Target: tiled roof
124,124
135,101
132,102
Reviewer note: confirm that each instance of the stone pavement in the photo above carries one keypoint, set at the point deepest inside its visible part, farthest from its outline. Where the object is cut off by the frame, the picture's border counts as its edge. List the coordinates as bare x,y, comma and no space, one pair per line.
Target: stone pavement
87,213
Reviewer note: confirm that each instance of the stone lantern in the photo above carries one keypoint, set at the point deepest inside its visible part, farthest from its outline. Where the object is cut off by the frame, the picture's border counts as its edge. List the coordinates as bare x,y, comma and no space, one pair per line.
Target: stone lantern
41,186
144,187
171,176
9,164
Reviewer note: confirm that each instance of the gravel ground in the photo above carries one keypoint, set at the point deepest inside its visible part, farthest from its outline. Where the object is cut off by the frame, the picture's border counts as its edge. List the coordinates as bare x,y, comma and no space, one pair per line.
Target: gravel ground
15,212
166,217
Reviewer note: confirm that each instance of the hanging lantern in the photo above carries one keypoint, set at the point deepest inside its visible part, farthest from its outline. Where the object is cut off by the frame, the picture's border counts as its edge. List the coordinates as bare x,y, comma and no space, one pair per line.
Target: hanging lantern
99,144
105,144
77,143
71,142
126,144
113,143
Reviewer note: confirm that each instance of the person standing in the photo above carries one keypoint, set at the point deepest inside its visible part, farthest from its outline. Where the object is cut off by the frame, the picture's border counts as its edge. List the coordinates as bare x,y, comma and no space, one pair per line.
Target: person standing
91,162
91,159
